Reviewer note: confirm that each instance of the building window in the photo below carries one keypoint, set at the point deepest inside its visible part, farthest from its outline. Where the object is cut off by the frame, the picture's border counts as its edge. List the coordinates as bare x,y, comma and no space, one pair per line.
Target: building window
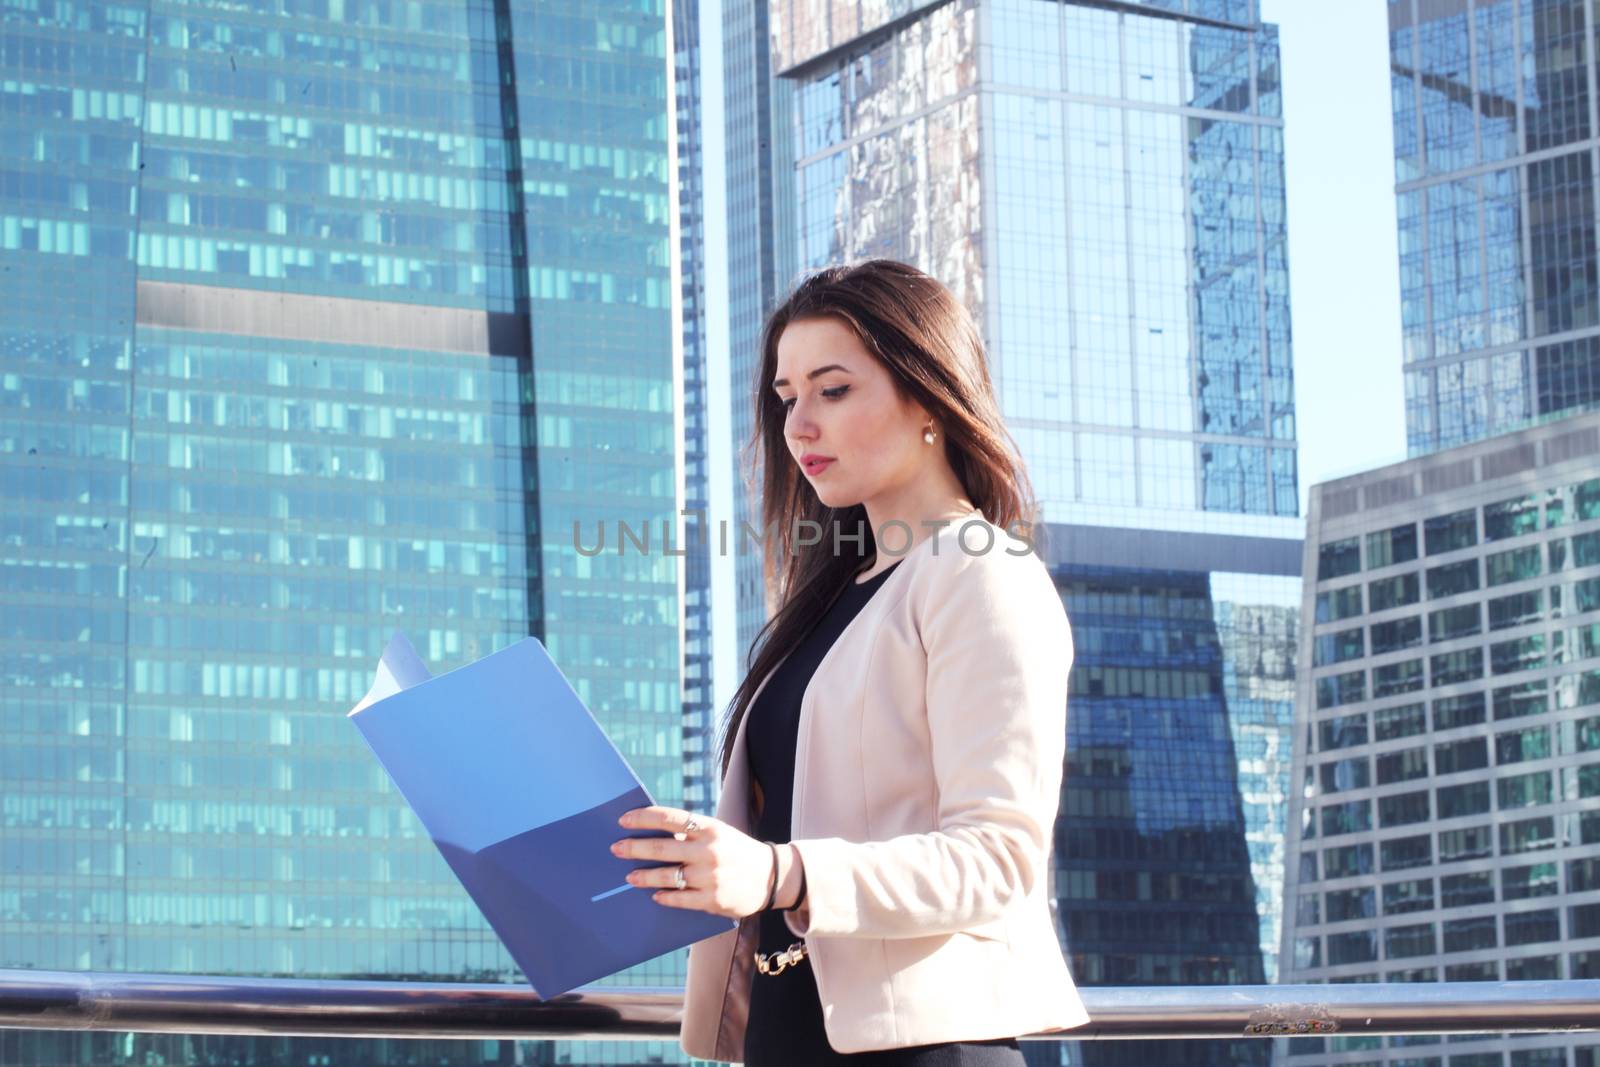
1470,935
1534,969
1452,579
1518,654
1447,533
1402,898
1344,731
1396,678
1515,746
1582,596
1447,624
1414,974
1341,775
1396,636
1538,880
1582,875
1403,853
1516,609
1524,791
1515,701
1337,647
1396,592
1403,809
1464,709
1463,665
1481,971
1458,801
1357,946
1469,843
1339,604
1586,549
1338,689
1586,734
1395,545
1532,927
1346,861
1515,565
1338,558
1404,720
1344,905
1402,766
1510,518
1351,817
1558,555
1401,942
1470,754
1465,890
1528,835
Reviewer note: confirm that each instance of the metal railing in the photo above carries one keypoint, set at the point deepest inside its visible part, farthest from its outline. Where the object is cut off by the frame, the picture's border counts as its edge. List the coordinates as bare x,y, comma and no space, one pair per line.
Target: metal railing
188,1004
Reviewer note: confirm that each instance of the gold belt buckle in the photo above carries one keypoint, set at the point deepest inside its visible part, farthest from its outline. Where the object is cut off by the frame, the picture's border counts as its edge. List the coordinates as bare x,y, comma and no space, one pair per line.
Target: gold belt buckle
776,962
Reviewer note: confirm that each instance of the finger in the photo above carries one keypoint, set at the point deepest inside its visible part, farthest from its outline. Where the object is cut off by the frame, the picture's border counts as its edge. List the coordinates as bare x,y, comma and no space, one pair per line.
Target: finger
665,849
657,817
692,899
658,877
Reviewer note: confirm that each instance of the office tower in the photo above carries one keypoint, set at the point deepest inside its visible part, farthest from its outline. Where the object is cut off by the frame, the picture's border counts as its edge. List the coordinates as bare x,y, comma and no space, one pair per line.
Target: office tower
1494,140
1102,185
759,217
323,320
700,771
1446,819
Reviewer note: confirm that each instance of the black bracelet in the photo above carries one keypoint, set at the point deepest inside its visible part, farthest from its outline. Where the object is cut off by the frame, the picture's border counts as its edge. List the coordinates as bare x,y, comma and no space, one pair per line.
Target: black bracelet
801,899
772,890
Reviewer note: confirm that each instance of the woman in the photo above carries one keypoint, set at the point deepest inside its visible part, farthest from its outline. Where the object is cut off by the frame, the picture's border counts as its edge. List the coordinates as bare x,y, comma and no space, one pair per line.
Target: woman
888,802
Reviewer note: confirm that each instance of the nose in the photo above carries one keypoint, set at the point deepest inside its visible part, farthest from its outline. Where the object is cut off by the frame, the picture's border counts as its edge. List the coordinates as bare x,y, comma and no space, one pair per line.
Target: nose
799,424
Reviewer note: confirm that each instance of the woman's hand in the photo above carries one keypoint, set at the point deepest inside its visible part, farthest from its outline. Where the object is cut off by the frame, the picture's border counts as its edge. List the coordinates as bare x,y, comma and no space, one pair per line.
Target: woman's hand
725,872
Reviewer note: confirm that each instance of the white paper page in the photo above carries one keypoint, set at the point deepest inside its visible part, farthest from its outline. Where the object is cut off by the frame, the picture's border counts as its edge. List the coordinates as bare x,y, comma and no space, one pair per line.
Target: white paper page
399,669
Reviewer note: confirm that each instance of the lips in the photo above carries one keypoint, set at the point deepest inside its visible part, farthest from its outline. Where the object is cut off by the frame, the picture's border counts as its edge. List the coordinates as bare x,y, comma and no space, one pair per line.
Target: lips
815,465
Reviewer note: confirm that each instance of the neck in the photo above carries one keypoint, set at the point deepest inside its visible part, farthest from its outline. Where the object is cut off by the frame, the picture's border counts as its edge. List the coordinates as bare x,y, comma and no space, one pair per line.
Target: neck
900,524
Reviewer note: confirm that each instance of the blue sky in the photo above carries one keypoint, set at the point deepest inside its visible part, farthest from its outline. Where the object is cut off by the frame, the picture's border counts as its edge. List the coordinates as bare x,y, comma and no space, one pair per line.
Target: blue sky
1344,274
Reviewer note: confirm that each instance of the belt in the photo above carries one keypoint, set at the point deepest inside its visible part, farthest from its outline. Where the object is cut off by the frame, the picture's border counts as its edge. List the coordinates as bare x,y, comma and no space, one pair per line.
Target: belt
776,962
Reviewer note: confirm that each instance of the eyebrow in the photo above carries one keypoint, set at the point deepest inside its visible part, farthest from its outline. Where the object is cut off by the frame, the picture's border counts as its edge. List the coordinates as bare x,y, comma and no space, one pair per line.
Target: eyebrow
813,374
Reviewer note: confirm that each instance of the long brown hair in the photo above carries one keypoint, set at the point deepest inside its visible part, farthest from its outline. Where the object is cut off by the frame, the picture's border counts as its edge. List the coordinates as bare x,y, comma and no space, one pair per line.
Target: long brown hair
931,347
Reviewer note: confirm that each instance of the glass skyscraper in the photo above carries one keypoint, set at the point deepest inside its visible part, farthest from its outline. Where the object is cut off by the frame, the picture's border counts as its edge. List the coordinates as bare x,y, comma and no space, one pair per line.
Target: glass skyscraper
1494,137
1102,185
700,775
759,214
324,319
1448,808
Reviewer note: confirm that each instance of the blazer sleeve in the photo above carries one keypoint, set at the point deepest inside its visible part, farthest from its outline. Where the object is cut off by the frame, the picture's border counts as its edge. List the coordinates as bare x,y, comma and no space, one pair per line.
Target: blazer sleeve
999,649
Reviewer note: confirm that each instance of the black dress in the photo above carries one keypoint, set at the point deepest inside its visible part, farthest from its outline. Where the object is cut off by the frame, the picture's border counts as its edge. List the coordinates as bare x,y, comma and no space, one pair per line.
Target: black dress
785,1025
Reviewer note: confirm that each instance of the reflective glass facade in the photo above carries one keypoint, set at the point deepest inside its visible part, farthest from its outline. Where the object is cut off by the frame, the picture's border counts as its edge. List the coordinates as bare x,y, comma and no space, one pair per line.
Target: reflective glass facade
1495,135
1106,179
1446,817
699,715
1102,185
760,227
323,320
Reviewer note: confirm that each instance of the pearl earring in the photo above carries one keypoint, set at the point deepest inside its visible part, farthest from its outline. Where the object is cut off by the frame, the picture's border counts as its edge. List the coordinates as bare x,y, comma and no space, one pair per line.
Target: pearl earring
927,436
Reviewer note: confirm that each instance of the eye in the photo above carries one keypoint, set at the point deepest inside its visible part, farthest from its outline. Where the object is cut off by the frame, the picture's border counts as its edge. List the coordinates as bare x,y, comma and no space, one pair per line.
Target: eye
832,394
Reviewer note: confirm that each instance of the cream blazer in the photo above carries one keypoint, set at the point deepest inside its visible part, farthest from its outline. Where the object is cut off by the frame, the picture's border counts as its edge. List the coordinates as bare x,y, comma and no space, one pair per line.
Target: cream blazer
927,778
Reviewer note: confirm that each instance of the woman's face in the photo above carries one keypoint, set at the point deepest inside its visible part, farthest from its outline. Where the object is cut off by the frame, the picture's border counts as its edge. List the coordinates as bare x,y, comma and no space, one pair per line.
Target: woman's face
842,405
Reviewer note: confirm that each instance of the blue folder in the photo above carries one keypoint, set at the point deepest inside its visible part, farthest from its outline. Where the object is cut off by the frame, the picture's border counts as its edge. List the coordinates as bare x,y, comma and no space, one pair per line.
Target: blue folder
520,788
